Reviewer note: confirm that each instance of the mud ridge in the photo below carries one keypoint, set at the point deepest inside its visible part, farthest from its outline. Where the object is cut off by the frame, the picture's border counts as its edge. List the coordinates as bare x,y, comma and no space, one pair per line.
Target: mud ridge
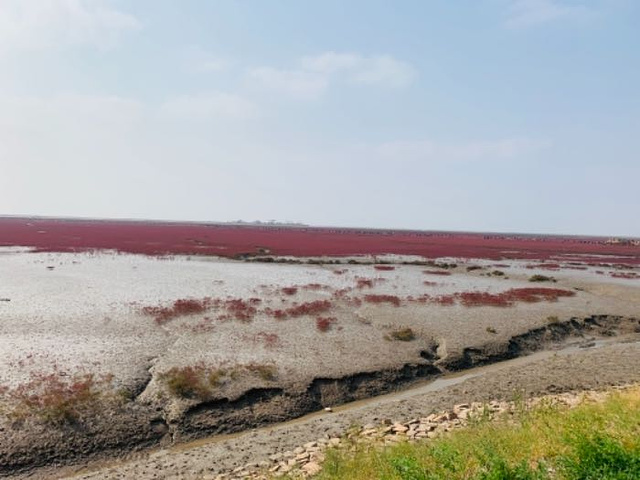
259,407
119,432
541,338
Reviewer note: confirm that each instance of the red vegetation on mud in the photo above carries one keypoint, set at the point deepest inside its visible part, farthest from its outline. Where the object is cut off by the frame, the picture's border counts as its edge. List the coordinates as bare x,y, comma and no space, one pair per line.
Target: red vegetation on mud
308,308
384,268
269,340
58,399
509,297
446,300
627,275
392,299
235,308
180,308
324,324
289,290
364,283
478,299
157,238
243,310
503,299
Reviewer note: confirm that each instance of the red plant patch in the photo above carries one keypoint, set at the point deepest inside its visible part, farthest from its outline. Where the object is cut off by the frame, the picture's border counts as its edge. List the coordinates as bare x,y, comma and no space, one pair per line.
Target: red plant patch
341,293
289,290
510,297
309,308
324,324
243,310
180,308
269,340
278,314
445,300
204,326
424,298
384,268
377,299
627,275
59,399
246,241
477,299
534,295
364,283
436,272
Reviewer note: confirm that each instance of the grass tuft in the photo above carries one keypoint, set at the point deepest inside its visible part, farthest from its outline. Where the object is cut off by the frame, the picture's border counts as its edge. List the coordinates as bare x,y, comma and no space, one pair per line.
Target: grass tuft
403,335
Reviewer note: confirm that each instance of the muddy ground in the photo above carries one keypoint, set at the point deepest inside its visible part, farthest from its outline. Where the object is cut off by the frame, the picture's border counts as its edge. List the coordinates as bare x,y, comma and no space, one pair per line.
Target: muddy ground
65,316
574,369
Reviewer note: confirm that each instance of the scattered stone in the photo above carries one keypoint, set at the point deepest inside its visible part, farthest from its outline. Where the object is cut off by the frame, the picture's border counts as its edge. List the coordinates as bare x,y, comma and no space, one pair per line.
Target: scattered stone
311,468
305,461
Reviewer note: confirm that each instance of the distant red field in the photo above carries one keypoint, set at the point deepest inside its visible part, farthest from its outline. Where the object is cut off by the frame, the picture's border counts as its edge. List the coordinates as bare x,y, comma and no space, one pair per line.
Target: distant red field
228,240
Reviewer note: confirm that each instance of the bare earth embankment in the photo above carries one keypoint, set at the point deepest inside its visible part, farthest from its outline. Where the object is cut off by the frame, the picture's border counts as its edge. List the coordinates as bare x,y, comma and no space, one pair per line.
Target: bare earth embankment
106,354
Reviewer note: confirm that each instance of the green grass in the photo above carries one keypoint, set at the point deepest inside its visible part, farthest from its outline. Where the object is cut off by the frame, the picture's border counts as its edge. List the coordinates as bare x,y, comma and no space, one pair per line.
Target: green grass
590,442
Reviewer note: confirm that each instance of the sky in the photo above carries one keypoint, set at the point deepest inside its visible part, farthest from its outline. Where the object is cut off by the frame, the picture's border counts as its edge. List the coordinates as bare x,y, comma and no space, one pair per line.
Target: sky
473,115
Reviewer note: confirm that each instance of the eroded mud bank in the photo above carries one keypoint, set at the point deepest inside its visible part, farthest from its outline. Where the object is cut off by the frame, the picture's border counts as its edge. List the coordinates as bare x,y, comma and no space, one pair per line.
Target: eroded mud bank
119,428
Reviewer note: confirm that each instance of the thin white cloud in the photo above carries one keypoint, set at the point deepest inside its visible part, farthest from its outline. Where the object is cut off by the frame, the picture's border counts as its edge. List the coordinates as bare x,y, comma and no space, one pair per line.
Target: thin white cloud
314,74
199,60
297,83
530,13
330,62
49,24
209,105
384,71
486,150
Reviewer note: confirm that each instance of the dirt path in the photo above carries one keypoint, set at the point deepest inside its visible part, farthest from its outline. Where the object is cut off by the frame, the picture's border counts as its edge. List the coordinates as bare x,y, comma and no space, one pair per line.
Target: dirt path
544,372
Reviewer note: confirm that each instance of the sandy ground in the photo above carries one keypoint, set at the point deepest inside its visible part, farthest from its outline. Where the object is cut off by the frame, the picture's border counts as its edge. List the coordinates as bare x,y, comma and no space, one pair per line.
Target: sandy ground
83,313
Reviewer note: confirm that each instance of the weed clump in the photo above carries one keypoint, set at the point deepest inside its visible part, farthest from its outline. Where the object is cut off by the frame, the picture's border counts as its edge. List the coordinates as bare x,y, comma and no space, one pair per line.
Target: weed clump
403,335
268,373
200,382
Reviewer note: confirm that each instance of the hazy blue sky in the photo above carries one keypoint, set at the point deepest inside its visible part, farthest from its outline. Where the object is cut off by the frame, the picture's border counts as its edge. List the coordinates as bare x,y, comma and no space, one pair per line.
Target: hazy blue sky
501,115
